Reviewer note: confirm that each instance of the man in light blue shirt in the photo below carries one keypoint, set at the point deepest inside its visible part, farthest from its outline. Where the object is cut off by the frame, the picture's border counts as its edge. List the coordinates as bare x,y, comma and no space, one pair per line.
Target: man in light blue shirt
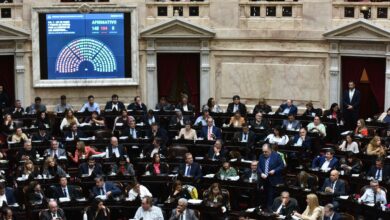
91,105
148,210
374,194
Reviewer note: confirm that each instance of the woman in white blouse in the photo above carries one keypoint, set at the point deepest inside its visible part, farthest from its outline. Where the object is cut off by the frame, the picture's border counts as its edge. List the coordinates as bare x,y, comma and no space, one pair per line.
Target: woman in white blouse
277,137
69,119
187,132
349,145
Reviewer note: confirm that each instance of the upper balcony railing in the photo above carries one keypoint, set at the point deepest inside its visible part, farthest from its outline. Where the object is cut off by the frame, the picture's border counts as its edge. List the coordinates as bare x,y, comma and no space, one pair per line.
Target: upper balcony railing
183,8
11,9
374,9
270,9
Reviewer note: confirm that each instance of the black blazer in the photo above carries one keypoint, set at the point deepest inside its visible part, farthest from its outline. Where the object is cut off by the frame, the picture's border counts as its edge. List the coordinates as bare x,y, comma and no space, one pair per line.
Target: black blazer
287,210
250,139
145,120
73,194
46,215
195,171
134,107
174,120
164,169
190,107
241,108
339,188
108,106
97,171
355,102
161,133
78,135
220,157
121,149
385,172
126,132
263,109
264,123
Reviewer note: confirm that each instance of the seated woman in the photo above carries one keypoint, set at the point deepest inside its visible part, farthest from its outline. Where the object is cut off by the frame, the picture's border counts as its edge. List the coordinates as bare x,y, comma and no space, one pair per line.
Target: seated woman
212,106
82,152
306,181
69,119
123,168
42,120
8,125
121,121
36,195
361,128
226,171
375,147
187,132
311,111
334,113
137,190
29,170
98,211
385,117
236,120
317,127
178,192
350,164
277,137
349,145
19,136
95,119
157,167
214,197
51,169
262,107
313,210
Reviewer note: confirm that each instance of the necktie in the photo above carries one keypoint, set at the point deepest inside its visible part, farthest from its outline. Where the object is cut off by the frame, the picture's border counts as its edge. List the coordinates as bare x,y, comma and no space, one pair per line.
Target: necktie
266,167
65,194
374,197
209,134
244,138
188,170
181,217
378,174
54,215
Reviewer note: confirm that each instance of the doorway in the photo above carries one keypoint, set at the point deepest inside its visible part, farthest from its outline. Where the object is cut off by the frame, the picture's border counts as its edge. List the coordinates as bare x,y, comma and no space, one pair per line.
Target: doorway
7,77
369,76
179,73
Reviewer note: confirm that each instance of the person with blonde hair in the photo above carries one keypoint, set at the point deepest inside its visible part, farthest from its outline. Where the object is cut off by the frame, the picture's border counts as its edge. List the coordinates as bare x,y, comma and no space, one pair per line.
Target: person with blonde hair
313,210
375,147
69,119
361,128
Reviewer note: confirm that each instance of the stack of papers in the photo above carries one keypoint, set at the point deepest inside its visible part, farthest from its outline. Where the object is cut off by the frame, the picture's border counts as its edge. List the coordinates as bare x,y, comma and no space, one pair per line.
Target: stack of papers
211,175
195,201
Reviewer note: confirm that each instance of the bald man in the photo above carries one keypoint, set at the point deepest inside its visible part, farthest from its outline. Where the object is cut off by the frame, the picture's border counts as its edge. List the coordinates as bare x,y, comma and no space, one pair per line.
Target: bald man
115,150
334,185
53,212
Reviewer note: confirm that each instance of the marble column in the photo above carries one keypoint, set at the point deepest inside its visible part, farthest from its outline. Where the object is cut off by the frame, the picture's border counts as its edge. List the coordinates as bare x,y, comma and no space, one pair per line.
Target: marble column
19,72
334,78
387,78
151,74
204,72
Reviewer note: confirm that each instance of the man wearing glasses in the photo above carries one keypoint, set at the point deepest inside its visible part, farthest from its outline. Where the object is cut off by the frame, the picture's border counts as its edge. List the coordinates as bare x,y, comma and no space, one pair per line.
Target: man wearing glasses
284,205
374,194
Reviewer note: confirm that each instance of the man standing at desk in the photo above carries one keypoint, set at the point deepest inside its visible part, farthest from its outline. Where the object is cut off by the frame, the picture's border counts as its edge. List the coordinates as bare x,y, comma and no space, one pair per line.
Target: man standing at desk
270,169
351,104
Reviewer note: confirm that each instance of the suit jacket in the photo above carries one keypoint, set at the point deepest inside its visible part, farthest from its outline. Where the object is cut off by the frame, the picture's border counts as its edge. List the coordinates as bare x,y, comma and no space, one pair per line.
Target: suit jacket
161,133
293,109
276,164
251,138
336,216
241,108
211,155
60,153
79,134
264,123
355,102
73,194
38,137
247,174
108,186
126,132
121,150
315,111
339,188
10,195
164,169
16,113
319,161
46,215
190,215
195,171
166,107
134,107
295,124
291,206
190,107
174,120
108,106
216,131
385,172
306,143
97,171
145,120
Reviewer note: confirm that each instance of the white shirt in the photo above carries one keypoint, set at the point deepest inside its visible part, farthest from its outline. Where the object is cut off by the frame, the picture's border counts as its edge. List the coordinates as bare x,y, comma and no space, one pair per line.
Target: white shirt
280,208
90,170
299,142
115,151
3,199
351,92
154,213
143,192
350,147
115,106
185,108
325,165
66,190
235,108
244,137
272,139
368,196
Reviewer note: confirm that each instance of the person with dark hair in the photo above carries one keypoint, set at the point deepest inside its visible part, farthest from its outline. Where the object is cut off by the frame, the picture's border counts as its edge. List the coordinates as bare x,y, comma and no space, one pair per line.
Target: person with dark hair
148,210
150,118
131,130
226,171
64,190
36,194
385,117
379,170
4,99
260,122
330,213
107,189
351,105
317,127
7,214
202,119
136,190
82,152
157,131
62,106
291,124
182,212
137,105
157,167
114,105
53,212
42,120
163,105
98,211
155,148
178,191
90,168
17,110
236,105
326,162
349,145
36,107
214,197
73,134
262,107
91,105
350,164
8,125
277,137
184,104
187,132
212,106
42,135
7,195
311,111
94,120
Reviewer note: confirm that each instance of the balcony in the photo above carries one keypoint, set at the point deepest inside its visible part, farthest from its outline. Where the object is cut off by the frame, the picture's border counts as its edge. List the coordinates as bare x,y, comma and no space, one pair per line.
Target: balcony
373,10
156,9
270,9
11,9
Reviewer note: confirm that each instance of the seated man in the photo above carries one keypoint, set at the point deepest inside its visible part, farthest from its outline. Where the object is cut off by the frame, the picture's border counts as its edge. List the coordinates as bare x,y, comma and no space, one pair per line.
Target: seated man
7,196
311,111
74,133
182,212
138,191
245,136
131,130
148,210
137,105
236,105
115,149
17,110
302,140
202,119
217,152
374,194
90,168
190,168
91,105
103,188
291,124
184,105
327,162
27,153
150,118
62,106
210,132
379,171
114,105
330,213
155,148
179,119
54,150
250,175
42,135
334,185
287,108
156,131
260,122
63,190
284,205
163,105
317,127
53,212
36,107
226,171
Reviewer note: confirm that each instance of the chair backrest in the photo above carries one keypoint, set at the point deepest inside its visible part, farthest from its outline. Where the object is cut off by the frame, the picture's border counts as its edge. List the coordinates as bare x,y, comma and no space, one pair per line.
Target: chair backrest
18,123
346,216
103,134
177,152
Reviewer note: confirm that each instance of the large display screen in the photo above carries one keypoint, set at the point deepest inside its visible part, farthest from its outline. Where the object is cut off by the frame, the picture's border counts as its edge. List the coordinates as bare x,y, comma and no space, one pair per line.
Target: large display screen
84,46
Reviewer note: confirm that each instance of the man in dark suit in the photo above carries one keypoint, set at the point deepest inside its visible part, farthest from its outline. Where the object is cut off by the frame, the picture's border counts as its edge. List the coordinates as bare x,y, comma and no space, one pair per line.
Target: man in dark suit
334,185
150,118
287,108
210,132
163,105
115,149
217,152
245,136
330,214
260,122
54,150
17,110
291,124
250,174
9,194
157,131
182,212
137,105
269,170
114,104
379,171
190,168
90,168
179,119
53,213
284,205
302,139
131,131
236,105
351,105
63,190
105,188
42,135
327,162
74,133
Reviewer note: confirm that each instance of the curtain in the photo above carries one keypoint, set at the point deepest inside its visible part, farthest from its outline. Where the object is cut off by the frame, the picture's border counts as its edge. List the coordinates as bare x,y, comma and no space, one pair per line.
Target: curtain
179,73
7,77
